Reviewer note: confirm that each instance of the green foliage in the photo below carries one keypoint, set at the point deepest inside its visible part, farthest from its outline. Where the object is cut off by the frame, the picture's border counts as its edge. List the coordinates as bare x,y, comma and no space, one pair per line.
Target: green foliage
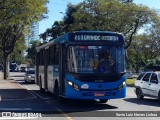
69,16
112,15
144,51
107,15
18,53
32,51
126,1
21,11
61,27
122,16
16,17
56,30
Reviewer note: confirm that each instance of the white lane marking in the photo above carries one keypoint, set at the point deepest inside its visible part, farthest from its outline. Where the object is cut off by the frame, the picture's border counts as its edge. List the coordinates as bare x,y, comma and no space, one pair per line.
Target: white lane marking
27,90
30,91
33,93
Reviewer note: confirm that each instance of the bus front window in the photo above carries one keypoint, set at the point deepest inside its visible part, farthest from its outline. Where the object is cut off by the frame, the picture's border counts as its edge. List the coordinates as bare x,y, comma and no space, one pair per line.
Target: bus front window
91,59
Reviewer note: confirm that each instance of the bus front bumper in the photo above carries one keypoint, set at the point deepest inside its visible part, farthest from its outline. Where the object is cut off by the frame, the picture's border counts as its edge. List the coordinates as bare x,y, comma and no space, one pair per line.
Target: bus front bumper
91,94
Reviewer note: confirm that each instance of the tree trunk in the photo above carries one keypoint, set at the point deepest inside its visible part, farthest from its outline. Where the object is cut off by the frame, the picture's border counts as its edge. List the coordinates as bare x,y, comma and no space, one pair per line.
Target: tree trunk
5,66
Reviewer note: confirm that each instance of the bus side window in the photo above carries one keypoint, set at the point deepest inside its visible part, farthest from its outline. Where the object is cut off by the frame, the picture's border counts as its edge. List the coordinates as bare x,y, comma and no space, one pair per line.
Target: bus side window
41,57
56,54
36,60
48,56
51,55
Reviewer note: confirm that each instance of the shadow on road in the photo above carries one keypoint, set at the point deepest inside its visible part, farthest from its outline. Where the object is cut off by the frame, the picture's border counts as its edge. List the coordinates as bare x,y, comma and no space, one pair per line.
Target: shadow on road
14,94
72,106
145,101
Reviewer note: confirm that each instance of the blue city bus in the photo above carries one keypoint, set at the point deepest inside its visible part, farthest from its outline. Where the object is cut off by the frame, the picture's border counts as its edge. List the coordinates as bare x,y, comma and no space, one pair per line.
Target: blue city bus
83,65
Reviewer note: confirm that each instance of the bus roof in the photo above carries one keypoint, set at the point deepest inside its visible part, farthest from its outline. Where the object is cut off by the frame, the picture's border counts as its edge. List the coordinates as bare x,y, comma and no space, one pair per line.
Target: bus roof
77,35
99,32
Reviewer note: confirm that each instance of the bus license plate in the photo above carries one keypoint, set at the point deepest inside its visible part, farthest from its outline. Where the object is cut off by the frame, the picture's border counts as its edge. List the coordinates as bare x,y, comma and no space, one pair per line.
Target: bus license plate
99,94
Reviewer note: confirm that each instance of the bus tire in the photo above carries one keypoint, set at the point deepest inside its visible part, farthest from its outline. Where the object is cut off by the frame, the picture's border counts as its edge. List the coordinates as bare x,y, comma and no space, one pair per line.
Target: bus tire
40,86
139,94
103,100
56,89
57,94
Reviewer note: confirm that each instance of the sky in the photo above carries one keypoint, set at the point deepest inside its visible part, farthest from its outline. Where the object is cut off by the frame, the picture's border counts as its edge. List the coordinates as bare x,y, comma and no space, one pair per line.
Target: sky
57,9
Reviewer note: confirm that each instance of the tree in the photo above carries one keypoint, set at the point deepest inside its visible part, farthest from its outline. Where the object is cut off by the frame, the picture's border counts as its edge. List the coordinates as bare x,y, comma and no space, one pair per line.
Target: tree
16,17
114,16
126,1
52,33
69,16
9,35
60,27
145,50
18,53
32,51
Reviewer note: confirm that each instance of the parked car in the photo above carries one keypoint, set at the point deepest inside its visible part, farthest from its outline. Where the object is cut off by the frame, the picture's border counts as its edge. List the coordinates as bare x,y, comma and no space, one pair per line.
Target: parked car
22,68
30,75
129,74
148,84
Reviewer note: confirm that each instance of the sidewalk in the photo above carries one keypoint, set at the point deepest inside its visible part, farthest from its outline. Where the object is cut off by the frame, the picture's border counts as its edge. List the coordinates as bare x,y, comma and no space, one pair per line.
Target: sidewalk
11,90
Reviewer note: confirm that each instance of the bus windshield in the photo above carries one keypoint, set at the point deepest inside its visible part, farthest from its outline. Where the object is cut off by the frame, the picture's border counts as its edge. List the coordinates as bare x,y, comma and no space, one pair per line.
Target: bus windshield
95,59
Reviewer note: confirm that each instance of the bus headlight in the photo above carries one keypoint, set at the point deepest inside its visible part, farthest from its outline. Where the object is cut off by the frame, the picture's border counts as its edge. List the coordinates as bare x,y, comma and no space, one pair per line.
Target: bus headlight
70,83
121,85
85,86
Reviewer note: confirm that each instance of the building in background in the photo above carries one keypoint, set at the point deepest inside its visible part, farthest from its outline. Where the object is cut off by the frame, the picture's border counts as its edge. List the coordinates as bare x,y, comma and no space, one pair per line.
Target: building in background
33,33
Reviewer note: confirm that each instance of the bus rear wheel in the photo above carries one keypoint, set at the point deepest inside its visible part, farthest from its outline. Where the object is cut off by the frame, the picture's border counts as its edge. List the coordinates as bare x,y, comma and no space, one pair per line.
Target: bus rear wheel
40,86
103,100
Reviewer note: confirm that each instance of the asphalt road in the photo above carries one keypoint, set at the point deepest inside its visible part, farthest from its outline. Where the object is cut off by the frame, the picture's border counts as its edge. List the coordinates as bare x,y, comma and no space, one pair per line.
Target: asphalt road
49,106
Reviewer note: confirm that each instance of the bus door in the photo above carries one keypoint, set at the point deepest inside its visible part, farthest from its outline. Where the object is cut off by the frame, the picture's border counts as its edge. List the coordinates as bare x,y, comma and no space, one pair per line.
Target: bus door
62,68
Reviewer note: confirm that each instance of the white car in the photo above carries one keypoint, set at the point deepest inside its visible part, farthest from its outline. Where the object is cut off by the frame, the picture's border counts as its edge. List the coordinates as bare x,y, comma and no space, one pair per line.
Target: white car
148,84
30,75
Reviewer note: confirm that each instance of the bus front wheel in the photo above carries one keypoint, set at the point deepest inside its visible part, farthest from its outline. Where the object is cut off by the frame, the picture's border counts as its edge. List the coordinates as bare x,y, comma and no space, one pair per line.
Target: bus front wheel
56,89
103,100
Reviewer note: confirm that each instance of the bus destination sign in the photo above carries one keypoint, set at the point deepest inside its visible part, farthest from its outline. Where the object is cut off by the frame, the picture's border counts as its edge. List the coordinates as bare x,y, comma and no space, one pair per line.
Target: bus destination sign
95,37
